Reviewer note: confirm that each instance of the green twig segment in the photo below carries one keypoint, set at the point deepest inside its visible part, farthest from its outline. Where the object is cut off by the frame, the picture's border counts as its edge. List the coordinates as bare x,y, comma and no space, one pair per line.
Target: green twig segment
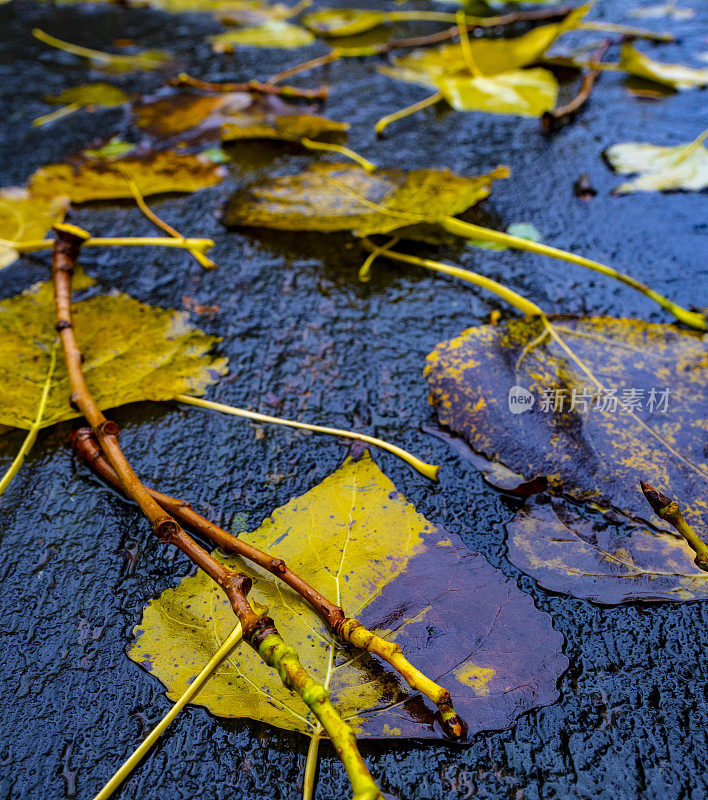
283,658
670,512
36,425
228,645
693,319
428,470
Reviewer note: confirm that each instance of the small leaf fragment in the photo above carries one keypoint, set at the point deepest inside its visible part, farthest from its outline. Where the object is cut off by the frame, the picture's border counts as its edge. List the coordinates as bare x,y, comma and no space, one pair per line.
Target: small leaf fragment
677,76
336,22
660,168
272,34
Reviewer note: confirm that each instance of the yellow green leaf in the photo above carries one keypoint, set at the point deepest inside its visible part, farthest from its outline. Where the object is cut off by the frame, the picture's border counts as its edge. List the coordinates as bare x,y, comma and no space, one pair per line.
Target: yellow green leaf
25,217
677,76
115,147
526,92
229,116
272,34
660,168
132,352
355,538
104,179
603,563
90,94
615,401
338,197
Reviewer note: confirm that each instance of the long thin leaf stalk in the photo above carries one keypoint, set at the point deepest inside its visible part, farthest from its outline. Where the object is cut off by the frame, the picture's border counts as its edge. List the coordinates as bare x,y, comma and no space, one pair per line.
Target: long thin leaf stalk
310,774
87,52
428,470
58,113
198,255
328,147
231,641
467,230
384,122
669,510
259,631
35,245
345,628
31,437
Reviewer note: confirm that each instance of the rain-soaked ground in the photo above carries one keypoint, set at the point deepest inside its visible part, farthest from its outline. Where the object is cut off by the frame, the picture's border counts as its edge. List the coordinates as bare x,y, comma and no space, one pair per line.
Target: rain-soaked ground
305,338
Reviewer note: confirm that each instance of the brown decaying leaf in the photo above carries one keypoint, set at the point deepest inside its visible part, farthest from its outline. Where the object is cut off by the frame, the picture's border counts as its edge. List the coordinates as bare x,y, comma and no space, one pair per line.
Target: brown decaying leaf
179,117
85,179
356,538
600,562
592,454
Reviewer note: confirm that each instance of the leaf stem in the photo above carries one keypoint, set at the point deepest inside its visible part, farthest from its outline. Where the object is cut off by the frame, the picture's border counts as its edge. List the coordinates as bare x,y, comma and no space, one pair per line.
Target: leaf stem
64,111
465,45
328,147
428,470
308,781
190,692
36,425
624,30
384,122
198,255
511,297
305,66
693,319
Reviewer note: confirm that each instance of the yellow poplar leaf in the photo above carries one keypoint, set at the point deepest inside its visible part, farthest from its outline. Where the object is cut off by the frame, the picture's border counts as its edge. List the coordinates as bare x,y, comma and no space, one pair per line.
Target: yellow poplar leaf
132,352
338,197
356,539
526,92
677,76
272,34
25,217
90,94
101,179
660,168
490,55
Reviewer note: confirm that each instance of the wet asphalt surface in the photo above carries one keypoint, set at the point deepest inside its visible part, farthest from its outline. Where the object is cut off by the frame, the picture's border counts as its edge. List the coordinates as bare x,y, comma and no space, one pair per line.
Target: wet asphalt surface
306,340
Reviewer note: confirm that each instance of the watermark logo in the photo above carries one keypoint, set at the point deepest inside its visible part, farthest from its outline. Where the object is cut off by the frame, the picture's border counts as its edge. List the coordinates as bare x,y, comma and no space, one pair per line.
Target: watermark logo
585,399
520,400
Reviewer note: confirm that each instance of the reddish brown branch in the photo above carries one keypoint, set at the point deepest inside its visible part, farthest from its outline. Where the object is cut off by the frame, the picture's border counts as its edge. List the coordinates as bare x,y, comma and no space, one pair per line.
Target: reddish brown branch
563,115
254,87
236,586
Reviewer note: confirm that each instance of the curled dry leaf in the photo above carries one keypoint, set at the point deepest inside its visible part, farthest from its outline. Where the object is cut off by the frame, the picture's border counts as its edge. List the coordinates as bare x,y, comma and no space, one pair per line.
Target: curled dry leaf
229,116
25,217
601,562
677,76
132,352
660,168
355,538
272,34
340,197
598,443
89,179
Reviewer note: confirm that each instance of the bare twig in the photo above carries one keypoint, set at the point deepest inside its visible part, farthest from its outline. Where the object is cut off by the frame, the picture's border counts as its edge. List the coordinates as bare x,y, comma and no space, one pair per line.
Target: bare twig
254,87
670,512
348,629
259,631
563,115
